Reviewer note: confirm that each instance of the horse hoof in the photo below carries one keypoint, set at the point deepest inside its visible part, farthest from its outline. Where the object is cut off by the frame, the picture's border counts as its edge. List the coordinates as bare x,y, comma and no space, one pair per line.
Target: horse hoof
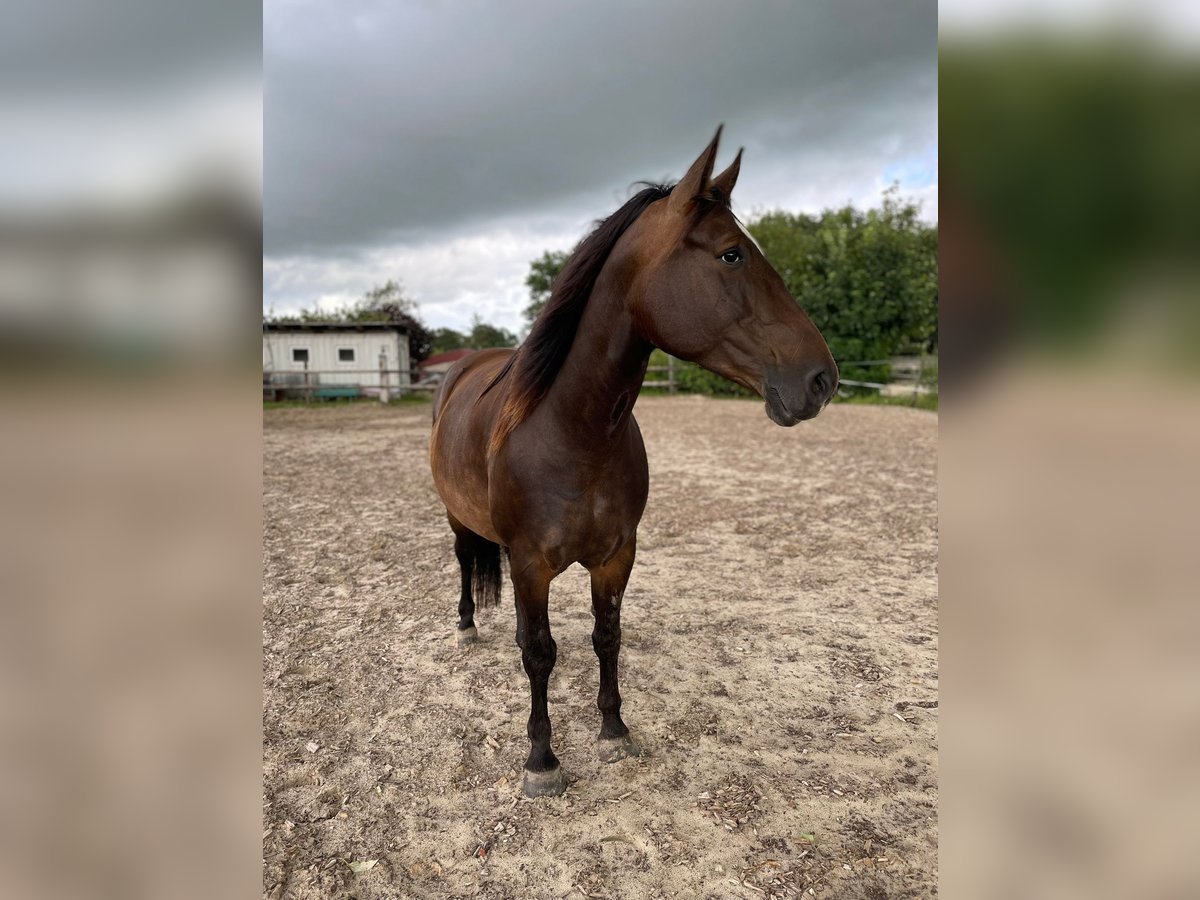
467,636
612,749
544,784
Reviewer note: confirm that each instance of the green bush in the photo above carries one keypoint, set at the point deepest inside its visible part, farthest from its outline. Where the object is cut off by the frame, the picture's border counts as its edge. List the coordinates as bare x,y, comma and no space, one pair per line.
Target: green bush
692,379
867,279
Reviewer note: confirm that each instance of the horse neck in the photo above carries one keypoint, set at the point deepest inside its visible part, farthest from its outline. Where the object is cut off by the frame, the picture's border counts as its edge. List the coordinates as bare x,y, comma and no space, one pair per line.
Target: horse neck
596,388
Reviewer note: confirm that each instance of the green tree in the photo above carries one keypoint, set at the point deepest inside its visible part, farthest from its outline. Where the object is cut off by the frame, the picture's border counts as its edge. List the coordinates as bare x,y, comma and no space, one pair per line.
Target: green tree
540,281
867,279
445,339
484,335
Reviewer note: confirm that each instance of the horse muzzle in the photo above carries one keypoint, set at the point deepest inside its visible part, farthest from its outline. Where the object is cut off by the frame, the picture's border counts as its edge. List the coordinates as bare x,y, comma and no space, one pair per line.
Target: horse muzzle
792,397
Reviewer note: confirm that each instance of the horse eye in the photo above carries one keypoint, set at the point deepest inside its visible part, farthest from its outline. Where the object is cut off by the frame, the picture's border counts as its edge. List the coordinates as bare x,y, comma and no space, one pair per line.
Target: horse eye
732,257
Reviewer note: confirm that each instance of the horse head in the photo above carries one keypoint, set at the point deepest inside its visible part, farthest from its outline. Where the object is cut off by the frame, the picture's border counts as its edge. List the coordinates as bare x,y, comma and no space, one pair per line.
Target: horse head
699,287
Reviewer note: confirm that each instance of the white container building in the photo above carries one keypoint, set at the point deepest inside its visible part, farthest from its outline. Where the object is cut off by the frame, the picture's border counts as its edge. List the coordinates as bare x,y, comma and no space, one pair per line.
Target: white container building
334,358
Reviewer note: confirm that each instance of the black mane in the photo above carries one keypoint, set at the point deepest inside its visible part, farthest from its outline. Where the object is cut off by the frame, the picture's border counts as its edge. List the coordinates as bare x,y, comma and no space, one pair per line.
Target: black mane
532,369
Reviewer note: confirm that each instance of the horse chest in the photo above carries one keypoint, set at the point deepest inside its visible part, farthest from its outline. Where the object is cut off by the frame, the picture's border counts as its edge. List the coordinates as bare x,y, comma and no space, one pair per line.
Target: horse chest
590,530
575,514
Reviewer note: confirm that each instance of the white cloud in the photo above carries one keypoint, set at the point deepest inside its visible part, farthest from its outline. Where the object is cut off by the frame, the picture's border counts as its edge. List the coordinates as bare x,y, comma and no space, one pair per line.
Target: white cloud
481,272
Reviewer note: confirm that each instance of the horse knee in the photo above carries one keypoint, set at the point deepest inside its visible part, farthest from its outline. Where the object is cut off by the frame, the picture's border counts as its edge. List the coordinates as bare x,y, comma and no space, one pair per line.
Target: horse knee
538,654
606,641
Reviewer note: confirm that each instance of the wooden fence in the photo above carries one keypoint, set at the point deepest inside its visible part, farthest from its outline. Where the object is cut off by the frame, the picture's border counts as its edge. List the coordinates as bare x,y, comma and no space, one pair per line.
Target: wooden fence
398,382
278,384
669,383
908,376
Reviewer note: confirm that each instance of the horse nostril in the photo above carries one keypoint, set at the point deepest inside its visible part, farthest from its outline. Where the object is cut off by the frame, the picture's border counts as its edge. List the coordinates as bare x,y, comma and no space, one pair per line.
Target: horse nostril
820,385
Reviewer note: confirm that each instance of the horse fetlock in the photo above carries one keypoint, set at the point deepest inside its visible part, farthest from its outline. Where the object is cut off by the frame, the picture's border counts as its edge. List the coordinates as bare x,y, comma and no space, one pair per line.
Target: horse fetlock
609,704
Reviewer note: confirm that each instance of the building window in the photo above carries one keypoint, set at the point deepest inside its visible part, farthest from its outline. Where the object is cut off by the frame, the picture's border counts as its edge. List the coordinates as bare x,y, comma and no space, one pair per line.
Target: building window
299,354
345,354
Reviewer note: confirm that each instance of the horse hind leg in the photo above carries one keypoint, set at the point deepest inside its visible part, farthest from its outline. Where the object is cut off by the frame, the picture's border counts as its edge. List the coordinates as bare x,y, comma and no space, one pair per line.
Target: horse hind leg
479,567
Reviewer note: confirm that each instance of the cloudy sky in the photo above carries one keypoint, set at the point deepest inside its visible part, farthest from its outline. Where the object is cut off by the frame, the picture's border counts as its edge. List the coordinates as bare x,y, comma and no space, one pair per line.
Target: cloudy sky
448,144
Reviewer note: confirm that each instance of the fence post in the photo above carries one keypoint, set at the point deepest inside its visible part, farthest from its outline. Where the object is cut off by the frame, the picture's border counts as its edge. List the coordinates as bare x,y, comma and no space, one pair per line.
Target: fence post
383,378
919,379
307,386
670,374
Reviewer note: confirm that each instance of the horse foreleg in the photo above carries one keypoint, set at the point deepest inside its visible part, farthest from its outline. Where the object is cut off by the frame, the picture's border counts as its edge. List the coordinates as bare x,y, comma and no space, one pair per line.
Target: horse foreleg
608,589
531,582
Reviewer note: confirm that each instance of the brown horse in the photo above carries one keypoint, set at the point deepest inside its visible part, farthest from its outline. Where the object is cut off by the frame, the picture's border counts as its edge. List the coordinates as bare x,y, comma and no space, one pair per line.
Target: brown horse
536,450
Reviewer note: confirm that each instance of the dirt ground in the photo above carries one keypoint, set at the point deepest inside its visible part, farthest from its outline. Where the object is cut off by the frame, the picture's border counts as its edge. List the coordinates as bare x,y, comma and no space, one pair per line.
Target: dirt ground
779,665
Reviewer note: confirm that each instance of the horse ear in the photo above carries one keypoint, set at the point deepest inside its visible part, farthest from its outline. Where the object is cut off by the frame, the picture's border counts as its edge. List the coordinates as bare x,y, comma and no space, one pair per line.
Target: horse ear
724,182
695,182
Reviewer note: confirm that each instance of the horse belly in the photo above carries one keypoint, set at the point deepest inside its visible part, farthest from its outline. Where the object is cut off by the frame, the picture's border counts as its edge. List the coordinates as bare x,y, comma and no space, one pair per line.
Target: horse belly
462,487
463,505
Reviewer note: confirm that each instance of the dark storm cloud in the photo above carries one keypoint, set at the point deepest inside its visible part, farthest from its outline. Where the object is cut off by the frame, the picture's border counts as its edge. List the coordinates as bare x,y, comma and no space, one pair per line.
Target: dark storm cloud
385,122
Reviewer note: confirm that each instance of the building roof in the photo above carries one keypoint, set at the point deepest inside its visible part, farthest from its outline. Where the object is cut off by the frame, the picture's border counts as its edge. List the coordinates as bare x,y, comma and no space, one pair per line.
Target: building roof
448,357
334,326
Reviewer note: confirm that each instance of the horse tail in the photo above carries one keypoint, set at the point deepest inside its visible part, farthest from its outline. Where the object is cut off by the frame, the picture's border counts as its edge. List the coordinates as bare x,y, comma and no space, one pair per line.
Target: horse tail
485,571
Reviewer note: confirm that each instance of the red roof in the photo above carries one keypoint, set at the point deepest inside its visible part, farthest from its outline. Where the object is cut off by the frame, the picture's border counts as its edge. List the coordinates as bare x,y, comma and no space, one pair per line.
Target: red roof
448,357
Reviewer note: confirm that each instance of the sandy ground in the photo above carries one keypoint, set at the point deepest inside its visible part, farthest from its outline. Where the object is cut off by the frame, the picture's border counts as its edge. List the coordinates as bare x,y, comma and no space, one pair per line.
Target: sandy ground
779,665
